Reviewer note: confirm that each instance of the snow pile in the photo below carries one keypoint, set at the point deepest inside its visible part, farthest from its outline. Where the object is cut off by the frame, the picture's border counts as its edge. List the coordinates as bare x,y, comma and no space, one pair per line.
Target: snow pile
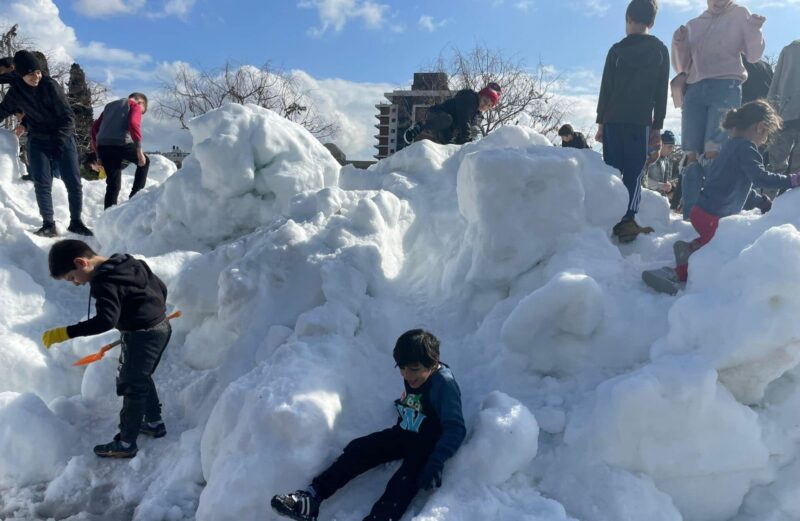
34,444
586,395
239,171
741,320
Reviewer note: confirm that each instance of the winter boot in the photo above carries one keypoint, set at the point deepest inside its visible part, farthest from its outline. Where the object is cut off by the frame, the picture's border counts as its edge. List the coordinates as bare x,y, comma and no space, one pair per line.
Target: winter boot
299,505
628,229
48,229
116,449
79,228
682,251
663,280
154,429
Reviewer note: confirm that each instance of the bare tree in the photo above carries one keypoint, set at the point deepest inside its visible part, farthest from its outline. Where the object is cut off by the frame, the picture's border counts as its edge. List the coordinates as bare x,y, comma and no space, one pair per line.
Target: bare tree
191,93
528,95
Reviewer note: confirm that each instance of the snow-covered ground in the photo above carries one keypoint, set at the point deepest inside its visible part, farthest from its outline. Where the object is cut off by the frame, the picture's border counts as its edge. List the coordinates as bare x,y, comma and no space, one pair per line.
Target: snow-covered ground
587,396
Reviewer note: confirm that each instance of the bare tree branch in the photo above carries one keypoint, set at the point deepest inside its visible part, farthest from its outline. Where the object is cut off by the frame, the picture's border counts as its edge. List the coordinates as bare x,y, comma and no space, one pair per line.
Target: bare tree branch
191,93
529,97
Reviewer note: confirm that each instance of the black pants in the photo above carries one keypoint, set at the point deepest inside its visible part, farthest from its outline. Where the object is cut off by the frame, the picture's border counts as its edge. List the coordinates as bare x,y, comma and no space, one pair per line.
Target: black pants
141,353
376,449
112,157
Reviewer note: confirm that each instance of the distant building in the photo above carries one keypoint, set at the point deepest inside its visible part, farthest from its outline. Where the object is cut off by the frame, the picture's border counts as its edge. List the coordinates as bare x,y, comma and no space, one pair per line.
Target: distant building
341,158
176,155
406,107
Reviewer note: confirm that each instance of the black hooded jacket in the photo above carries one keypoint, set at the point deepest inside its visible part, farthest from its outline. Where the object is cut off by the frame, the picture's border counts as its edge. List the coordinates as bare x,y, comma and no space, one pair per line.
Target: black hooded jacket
635,82
128,297
456,120
48,115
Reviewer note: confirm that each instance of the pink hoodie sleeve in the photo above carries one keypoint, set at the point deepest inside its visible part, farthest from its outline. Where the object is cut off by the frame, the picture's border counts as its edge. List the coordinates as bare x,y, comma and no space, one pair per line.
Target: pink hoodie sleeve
135,123
681,52
753,40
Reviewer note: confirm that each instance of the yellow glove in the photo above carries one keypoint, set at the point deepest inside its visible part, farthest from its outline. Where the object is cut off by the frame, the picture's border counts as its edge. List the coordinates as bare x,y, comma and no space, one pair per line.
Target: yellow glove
102,173
54,336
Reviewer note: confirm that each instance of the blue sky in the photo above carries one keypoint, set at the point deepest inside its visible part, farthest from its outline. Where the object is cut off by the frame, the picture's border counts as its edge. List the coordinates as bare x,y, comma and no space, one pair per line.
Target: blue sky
350,44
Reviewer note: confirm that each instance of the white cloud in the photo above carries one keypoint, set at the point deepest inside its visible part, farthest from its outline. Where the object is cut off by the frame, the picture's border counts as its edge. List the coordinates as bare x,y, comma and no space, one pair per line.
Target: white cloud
105,8
334,14
179,8
108,8
99,52
427,23
350,104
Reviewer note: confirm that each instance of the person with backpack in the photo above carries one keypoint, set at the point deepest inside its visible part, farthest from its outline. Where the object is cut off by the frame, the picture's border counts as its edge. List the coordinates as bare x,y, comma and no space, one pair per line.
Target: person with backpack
457,120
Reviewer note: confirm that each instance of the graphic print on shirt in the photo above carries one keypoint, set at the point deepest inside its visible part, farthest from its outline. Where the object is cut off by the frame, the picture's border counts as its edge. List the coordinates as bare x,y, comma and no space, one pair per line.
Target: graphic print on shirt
409,407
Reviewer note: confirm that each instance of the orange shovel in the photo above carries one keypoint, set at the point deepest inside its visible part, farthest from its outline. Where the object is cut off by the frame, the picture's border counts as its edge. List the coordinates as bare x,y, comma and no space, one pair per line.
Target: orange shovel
94,357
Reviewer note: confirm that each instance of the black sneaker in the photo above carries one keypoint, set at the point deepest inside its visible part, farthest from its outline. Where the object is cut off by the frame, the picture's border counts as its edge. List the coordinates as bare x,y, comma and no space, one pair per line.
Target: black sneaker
47,230
27,177
116,449
156,430
79,228
299,505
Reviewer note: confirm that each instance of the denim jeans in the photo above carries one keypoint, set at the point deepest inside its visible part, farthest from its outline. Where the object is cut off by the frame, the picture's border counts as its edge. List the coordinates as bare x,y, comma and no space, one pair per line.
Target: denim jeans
45,163
704,106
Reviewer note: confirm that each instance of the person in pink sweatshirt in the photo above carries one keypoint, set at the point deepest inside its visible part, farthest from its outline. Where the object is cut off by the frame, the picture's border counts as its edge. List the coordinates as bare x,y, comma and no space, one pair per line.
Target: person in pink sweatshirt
708,51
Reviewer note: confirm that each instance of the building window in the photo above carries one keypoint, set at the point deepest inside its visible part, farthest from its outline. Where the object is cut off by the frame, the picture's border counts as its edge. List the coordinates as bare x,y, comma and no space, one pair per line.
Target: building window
394,119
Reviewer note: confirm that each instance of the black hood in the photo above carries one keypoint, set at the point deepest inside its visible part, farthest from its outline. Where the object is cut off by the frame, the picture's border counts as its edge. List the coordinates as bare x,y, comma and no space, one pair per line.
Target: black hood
639,51
124,270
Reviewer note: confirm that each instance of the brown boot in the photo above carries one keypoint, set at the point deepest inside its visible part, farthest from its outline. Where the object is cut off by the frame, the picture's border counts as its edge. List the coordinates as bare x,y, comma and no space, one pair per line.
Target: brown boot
627,230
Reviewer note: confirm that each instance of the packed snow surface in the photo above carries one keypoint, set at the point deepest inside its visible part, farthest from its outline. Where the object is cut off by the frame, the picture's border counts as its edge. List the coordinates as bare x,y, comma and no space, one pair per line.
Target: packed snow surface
586,395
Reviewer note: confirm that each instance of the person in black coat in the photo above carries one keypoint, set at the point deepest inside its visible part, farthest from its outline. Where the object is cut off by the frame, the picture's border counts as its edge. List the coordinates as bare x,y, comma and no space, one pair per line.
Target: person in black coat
457,120
50,124
570,138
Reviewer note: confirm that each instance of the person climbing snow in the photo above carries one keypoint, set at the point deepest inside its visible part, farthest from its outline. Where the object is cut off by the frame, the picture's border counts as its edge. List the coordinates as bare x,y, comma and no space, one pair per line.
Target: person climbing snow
457,120
730,183
117,138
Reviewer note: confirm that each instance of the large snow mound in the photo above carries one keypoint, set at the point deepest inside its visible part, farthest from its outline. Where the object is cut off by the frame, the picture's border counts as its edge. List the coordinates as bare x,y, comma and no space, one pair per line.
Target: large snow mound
586,395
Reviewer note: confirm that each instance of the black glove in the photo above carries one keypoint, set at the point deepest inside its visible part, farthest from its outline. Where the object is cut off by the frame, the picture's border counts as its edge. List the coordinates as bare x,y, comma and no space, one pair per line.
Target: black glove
412,132
431,476
765,204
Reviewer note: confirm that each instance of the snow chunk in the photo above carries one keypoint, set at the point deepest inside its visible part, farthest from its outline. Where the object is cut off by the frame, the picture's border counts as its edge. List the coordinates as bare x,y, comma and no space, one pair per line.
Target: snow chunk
672,421
34,444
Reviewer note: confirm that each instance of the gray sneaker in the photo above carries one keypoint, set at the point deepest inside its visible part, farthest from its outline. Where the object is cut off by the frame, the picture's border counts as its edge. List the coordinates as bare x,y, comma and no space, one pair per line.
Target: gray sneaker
682,251
663,280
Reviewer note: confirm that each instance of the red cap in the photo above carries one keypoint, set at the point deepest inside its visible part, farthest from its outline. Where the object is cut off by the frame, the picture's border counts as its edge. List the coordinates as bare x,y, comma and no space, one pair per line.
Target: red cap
492,91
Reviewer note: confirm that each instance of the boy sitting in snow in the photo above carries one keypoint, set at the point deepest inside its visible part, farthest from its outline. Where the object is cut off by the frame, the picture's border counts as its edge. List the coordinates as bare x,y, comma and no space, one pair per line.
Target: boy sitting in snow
129,297
632,106
429,430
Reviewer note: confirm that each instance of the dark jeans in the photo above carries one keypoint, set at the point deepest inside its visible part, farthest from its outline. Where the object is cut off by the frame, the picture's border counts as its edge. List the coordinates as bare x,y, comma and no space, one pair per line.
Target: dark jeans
376,449
46,160
625,148
141,353
112,157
